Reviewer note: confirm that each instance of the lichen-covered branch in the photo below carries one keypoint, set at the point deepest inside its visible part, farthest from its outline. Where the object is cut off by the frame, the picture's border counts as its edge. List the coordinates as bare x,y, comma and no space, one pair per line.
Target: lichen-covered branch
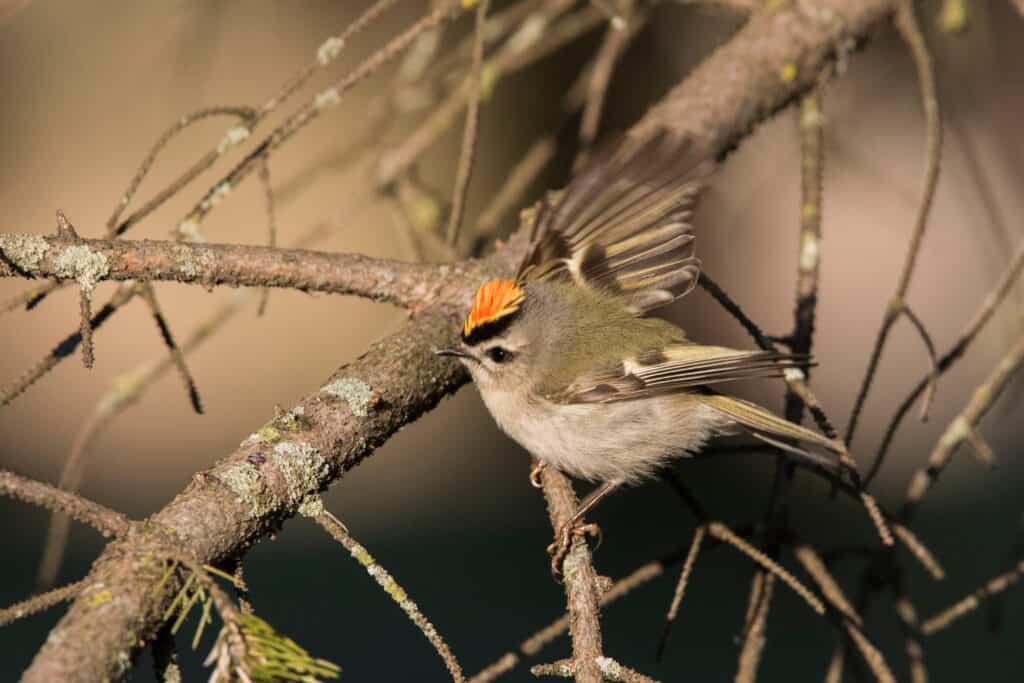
583,597
397,282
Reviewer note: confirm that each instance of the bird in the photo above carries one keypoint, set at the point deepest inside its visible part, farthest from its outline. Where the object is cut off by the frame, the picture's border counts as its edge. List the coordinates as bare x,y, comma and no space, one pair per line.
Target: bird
569,360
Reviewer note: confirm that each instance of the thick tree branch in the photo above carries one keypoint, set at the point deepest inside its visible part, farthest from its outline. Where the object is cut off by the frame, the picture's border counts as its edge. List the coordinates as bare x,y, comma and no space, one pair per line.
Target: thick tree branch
398,282
772,59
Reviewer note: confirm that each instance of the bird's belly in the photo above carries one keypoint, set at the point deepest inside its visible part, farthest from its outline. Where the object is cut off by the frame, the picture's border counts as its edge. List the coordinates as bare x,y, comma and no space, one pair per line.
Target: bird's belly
625,441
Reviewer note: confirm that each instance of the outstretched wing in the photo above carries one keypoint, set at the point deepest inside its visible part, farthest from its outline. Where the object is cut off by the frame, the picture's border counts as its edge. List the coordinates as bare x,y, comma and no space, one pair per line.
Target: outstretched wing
680,366
623,224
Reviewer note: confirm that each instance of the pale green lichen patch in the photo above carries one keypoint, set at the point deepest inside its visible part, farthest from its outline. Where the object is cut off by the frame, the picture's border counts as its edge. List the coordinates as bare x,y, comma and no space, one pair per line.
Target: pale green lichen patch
245,482
81,263
362,555
268,433
24,251
302,467
191,264
101,597
294,420
312,506
356,393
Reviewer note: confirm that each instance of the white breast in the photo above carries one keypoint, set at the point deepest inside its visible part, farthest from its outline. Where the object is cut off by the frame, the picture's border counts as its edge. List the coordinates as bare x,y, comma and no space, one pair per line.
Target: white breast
622,442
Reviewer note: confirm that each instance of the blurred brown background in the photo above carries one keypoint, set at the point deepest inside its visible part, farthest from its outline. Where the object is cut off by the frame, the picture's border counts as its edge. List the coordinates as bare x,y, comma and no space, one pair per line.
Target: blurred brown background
446,504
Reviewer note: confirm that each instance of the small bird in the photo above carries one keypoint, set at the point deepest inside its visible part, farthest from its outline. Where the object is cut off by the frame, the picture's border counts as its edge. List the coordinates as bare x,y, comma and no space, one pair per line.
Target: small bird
565,356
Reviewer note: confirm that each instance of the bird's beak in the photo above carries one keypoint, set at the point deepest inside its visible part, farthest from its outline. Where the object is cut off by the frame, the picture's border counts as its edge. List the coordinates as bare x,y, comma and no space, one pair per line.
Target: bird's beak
458,353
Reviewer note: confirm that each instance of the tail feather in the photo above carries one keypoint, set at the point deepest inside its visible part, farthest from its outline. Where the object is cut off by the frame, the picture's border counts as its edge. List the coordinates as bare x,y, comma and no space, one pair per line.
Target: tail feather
759,420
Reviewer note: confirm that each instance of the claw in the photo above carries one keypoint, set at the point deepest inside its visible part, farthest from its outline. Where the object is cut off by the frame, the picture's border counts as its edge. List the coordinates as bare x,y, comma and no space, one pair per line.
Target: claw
563,539
535,473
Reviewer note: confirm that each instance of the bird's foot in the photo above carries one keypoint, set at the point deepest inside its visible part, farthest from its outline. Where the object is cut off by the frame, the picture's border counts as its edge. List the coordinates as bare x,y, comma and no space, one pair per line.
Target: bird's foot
574,528
535,473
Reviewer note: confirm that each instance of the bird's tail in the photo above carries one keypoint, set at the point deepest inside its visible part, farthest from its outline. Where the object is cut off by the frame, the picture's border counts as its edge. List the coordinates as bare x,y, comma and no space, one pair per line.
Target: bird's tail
760,421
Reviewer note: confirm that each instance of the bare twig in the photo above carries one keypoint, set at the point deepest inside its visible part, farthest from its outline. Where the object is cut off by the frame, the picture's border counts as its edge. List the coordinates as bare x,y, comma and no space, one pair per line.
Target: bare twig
964,427
912,644
677,596
813,565
920,551
971,602
314,508
906,22
725,534
985,312
268,197
67,346
758,604
514,56
474,89
325,99
108,522
39,603
621,30
175,353
812,144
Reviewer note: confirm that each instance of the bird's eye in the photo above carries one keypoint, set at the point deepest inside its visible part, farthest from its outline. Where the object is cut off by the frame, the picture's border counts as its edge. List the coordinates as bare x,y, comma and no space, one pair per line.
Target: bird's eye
498,354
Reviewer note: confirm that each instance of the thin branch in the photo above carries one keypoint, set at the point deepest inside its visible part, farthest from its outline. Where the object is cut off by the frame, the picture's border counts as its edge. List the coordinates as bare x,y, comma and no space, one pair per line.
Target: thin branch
314,508
307,113
398,282
813,565
970,603
812,144
985,312
581,587
325,55
758,604
268,200
677,596
726,535
40,603
912,644
964,427
621,30
920,551
175,353
108,522
907,25
67,346
514,56
474,88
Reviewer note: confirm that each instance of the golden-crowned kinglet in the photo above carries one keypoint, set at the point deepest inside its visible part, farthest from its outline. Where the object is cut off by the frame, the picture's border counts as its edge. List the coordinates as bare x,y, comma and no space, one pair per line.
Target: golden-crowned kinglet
566,360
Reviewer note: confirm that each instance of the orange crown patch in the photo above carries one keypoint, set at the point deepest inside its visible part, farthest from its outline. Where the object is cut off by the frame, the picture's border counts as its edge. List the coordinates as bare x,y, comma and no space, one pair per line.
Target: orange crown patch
494,300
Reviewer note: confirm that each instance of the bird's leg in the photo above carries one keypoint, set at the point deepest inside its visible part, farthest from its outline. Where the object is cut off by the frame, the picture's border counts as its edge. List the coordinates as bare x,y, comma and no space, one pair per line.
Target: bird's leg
575,527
